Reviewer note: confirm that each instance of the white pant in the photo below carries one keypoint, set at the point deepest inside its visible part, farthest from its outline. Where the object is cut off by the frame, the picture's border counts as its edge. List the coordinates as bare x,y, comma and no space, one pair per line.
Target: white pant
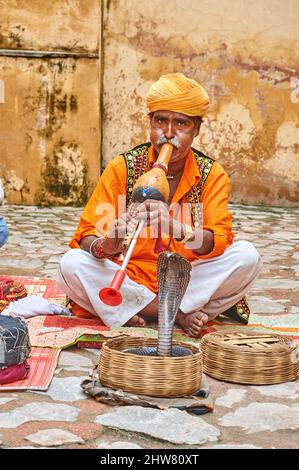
215,284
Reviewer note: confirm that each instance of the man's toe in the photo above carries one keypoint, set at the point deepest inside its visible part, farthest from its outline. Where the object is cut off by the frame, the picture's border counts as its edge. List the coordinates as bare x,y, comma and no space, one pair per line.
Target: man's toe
141,322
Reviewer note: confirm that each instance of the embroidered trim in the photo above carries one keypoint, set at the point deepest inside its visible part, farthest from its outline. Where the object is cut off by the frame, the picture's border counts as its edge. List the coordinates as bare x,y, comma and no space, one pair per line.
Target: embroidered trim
204,164
239,312
137,163
243,309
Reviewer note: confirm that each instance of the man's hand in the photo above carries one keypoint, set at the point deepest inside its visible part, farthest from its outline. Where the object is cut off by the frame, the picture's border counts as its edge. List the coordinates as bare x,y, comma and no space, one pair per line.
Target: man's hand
113,243
156,213
151,211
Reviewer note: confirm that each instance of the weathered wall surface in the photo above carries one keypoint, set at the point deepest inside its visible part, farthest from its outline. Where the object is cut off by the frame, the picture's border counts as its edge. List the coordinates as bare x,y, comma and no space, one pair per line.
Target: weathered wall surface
70,25
49,106
246,54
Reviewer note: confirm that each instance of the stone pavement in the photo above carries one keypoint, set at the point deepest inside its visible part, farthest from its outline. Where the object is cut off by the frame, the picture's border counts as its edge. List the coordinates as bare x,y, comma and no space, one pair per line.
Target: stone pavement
64,417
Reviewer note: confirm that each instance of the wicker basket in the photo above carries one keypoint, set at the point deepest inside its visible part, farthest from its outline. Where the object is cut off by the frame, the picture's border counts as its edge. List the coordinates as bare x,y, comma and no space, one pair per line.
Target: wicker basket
250,358
149,375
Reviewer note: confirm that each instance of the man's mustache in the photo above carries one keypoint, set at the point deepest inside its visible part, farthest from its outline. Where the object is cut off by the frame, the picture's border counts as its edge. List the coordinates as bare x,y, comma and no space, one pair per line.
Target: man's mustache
174,141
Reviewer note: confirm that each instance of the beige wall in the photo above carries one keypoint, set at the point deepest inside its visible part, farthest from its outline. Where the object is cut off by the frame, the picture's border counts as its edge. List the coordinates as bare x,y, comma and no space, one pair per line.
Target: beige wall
70,25
246,54
49,120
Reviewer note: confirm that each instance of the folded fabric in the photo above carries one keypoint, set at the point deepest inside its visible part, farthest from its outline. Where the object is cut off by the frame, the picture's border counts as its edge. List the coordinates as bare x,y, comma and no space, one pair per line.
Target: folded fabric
33,305
14,373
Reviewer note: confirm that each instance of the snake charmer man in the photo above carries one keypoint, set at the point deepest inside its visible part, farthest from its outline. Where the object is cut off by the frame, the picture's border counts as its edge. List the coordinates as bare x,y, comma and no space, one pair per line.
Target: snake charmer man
222,270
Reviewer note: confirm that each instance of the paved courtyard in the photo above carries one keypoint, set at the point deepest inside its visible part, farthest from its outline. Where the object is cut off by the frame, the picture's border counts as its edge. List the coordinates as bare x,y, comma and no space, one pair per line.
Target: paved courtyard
243,416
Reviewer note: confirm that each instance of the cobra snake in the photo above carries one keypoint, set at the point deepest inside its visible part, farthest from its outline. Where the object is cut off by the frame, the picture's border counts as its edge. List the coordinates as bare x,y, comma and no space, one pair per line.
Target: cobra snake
173,279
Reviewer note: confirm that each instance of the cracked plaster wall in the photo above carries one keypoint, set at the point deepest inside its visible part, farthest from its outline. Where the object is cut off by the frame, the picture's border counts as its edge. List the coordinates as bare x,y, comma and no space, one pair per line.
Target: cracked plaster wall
49,114
246,54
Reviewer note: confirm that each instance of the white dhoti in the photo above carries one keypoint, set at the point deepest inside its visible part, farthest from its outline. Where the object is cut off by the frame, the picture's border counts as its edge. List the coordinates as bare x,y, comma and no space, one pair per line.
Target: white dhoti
215,284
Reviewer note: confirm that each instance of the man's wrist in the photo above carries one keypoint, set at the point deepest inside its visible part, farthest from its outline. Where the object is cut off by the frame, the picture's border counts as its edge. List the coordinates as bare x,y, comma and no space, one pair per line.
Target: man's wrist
96,248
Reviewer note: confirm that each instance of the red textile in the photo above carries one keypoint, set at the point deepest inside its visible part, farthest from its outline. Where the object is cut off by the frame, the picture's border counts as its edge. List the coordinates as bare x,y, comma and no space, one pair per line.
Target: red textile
14,373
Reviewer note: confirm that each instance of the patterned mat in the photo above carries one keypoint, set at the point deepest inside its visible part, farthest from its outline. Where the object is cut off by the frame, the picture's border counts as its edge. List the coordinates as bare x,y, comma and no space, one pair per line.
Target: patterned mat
54,331
51,333
41,286
287,325
67,331
62,332
42,363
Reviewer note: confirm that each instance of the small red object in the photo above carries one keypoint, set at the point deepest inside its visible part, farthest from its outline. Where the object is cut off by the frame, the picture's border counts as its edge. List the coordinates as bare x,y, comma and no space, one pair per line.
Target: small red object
111,295
14,373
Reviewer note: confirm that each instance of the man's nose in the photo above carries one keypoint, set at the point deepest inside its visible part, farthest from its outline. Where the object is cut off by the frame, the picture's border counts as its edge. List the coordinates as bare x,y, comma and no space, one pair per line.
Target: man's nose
169,131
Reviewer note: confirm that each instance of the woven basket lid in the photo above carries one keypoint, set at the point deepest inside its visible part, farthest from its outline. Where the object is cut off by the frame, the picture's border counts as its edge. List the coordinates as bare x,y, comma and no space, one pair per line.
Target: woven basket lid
250,357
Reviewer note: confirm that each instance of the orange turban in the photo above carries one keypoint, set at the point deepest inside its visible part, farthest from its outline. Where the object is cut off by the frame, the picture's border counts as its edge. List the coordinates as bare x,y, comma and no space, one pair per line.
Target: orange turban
175,92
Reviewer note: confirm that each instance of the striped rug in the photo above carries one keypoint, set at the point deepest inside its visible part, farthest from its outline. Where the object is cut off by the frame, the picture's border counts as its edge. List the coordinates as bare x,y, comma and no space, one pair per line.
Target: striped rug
42,363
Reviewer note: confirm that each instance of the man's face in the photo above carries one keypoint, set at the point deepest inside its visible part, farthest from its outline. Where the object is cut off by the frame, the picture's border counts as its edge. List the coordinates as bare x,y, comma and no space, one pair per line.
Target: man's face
168,125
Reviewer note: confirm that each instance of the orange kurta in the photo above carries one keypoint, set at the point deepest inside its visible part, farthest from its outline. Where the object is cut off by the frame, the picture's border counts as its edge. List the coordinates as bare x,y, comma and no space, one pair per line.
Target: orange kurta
105,206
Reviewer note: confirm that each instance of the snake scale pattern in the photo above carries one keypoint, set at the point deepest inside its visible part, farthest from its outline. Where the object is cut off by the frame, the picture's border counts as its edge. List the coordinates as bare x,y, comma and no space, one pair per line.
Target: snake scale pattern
173,279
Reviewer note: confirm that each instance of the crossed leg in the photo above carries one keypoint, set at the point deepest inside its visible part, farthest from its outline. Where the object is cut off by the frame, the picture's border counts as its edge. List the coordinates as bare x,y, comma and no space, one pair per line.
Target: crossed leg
223,281
215,285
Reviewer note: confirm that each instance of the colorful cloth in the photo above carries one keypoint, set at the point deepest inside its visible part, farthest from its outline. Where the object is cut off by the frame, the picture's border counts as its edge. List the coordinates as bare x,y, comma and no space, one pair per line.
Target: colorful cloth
10,291
42,363
111,191
54,331
43,287
14,373
175,92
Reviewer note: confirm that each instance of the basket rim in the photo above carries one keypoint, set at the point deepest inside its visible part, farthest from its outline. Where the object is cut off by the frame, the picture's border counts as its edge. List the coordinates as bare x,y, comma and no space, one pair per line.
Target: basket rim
156,376
196,350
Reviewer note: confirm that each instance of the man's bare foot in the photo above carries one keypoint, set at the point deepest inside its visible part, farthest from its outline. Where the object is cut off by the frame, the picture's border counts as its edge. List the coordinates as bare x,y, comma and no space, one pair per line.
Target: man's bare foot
192,323
137,321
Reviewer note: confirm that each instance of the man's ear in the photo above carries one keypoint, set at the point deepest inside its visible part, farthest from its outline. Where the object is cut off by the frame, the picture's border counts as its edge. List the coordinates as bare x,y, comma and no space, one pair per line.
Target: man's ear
198,122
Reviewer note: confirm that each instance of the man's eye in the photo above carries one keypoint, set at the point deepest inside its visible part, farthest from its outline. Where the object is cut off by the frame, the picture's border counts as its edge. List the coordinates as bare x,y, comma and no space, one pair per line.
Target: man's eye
181,123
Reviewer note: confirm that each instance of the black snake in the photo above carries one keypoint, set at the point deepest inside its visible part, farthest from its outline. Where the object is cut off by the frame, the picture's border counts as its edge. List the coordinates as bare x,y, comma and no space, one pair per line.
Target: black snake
173,279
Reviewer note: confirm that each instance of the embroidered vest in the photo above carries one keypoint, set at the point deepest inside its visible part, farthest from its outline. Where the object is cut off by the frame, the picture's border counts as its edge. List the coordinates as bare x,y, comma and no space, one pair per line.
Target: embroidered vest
137,163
